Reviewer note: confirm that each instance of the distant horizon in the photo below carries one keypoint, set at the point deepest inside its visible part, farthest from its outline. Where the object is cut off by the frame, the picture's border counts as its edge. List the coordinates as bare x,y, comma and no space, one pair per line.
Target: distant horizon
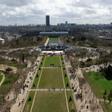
53,23
44,24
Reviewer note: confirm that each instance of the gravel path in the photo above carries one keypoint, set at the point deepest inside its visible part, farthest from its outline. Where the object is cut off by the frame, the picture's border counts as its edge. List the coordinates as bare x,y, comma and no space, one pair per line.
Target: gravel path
3,79
22,97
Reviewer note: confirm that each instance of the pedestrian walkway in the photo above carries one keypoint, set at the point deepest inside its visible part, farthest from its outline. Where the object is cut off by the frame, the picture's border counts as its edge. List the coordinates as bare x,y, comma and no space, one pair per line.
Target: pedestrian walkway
50,90
84,98
53,67
3,79
22,97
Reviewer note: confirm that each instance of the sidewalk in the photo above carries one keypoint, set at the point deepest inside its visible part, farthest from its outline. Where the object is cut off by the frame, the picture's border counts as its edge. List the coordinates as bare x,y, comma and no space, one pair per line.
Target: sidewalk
47,41
84,98
22,97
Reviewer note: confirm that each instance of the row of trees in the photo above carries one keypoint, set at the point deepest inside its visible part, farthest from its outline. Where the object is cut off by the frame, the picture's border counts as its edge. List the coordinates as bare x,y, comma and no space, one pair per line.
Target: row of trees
22,42
107,72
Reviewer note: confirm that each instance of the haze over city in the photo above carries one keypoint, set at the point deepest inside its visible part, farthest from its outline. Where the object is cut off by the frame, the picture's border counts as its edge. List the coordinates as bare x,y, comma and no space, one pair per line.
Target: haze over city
74,11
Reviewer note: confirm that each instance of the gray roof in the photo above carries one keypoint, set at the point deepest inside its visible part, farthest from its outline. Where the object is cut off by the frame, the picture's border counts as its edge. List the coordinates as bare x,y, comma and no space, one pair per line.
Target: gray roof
54,33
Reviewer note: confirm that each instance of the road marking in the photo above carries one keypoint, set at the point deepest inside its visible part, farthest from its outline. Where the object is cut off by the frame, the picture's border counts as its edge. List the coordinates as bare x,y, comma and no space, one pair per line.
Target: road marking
37,87
64,85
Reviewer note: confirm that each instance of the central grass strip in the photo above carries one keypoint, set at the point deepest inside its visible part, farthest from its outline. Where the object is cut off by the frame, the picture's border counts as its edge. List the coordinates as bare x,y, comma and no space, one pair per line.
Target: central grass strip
52,61
51,78
50,102
53,39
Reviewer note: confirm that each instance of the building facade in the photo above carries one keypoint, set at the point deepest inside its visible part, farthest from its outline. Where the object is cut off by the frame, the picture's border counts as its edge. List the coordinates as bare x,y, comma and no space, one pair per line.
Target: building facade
47,20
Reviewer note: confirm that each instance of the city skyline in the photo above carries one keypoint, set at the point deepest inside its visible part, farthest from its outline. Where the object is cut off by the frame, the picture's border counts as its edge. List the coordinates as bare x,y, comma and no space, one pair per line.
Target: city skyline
24,12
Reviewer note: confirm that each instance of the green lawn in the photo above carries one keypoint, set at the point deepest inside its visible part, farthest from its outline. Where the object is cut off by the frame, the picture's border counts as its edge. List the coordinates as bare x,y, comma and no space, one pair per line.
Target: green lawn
52,61
36,80
98,83
50,102
51,78
71,103
7,84
66,81
53,39
29,102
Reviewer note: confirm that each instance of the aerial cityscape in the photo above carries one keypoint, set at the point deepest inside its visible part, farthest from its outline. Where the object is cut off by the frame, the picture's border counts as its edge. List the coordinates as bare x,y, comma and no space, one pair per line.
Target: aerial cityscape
55,56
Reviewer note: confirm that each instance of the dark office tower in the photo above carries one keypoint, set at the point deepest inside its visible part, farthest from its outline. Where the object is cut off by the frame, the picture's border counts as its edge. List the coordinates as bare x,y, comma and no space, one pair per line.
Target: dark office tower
47,20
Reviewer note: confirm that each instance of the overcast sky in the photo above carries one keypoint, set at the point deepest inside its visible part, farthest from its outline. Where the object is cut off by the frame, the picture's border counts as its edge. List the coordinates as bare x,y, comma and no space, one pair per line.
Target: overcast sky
73,11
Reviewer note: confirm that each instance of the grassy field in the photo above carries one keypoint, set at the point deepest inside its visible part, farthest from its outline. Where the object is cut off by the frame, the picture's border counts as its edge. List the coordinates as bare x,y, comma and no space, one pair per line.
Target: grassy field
71,103
53,39
52,61
53,75
48,78
96,79
99,84
29,102
50,102
7,84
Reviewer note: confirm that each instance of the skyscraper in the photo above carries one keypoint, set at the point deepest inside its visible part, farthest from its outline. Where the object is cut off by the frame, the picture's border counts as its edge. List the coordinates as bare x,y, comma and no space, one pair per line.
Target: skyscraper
47,20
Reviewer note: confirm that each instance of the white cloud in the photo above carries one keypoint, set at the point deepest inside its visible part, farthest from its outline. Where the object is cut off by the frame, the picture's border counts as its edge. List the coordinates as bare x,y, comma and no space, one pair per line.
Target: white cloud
33,11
